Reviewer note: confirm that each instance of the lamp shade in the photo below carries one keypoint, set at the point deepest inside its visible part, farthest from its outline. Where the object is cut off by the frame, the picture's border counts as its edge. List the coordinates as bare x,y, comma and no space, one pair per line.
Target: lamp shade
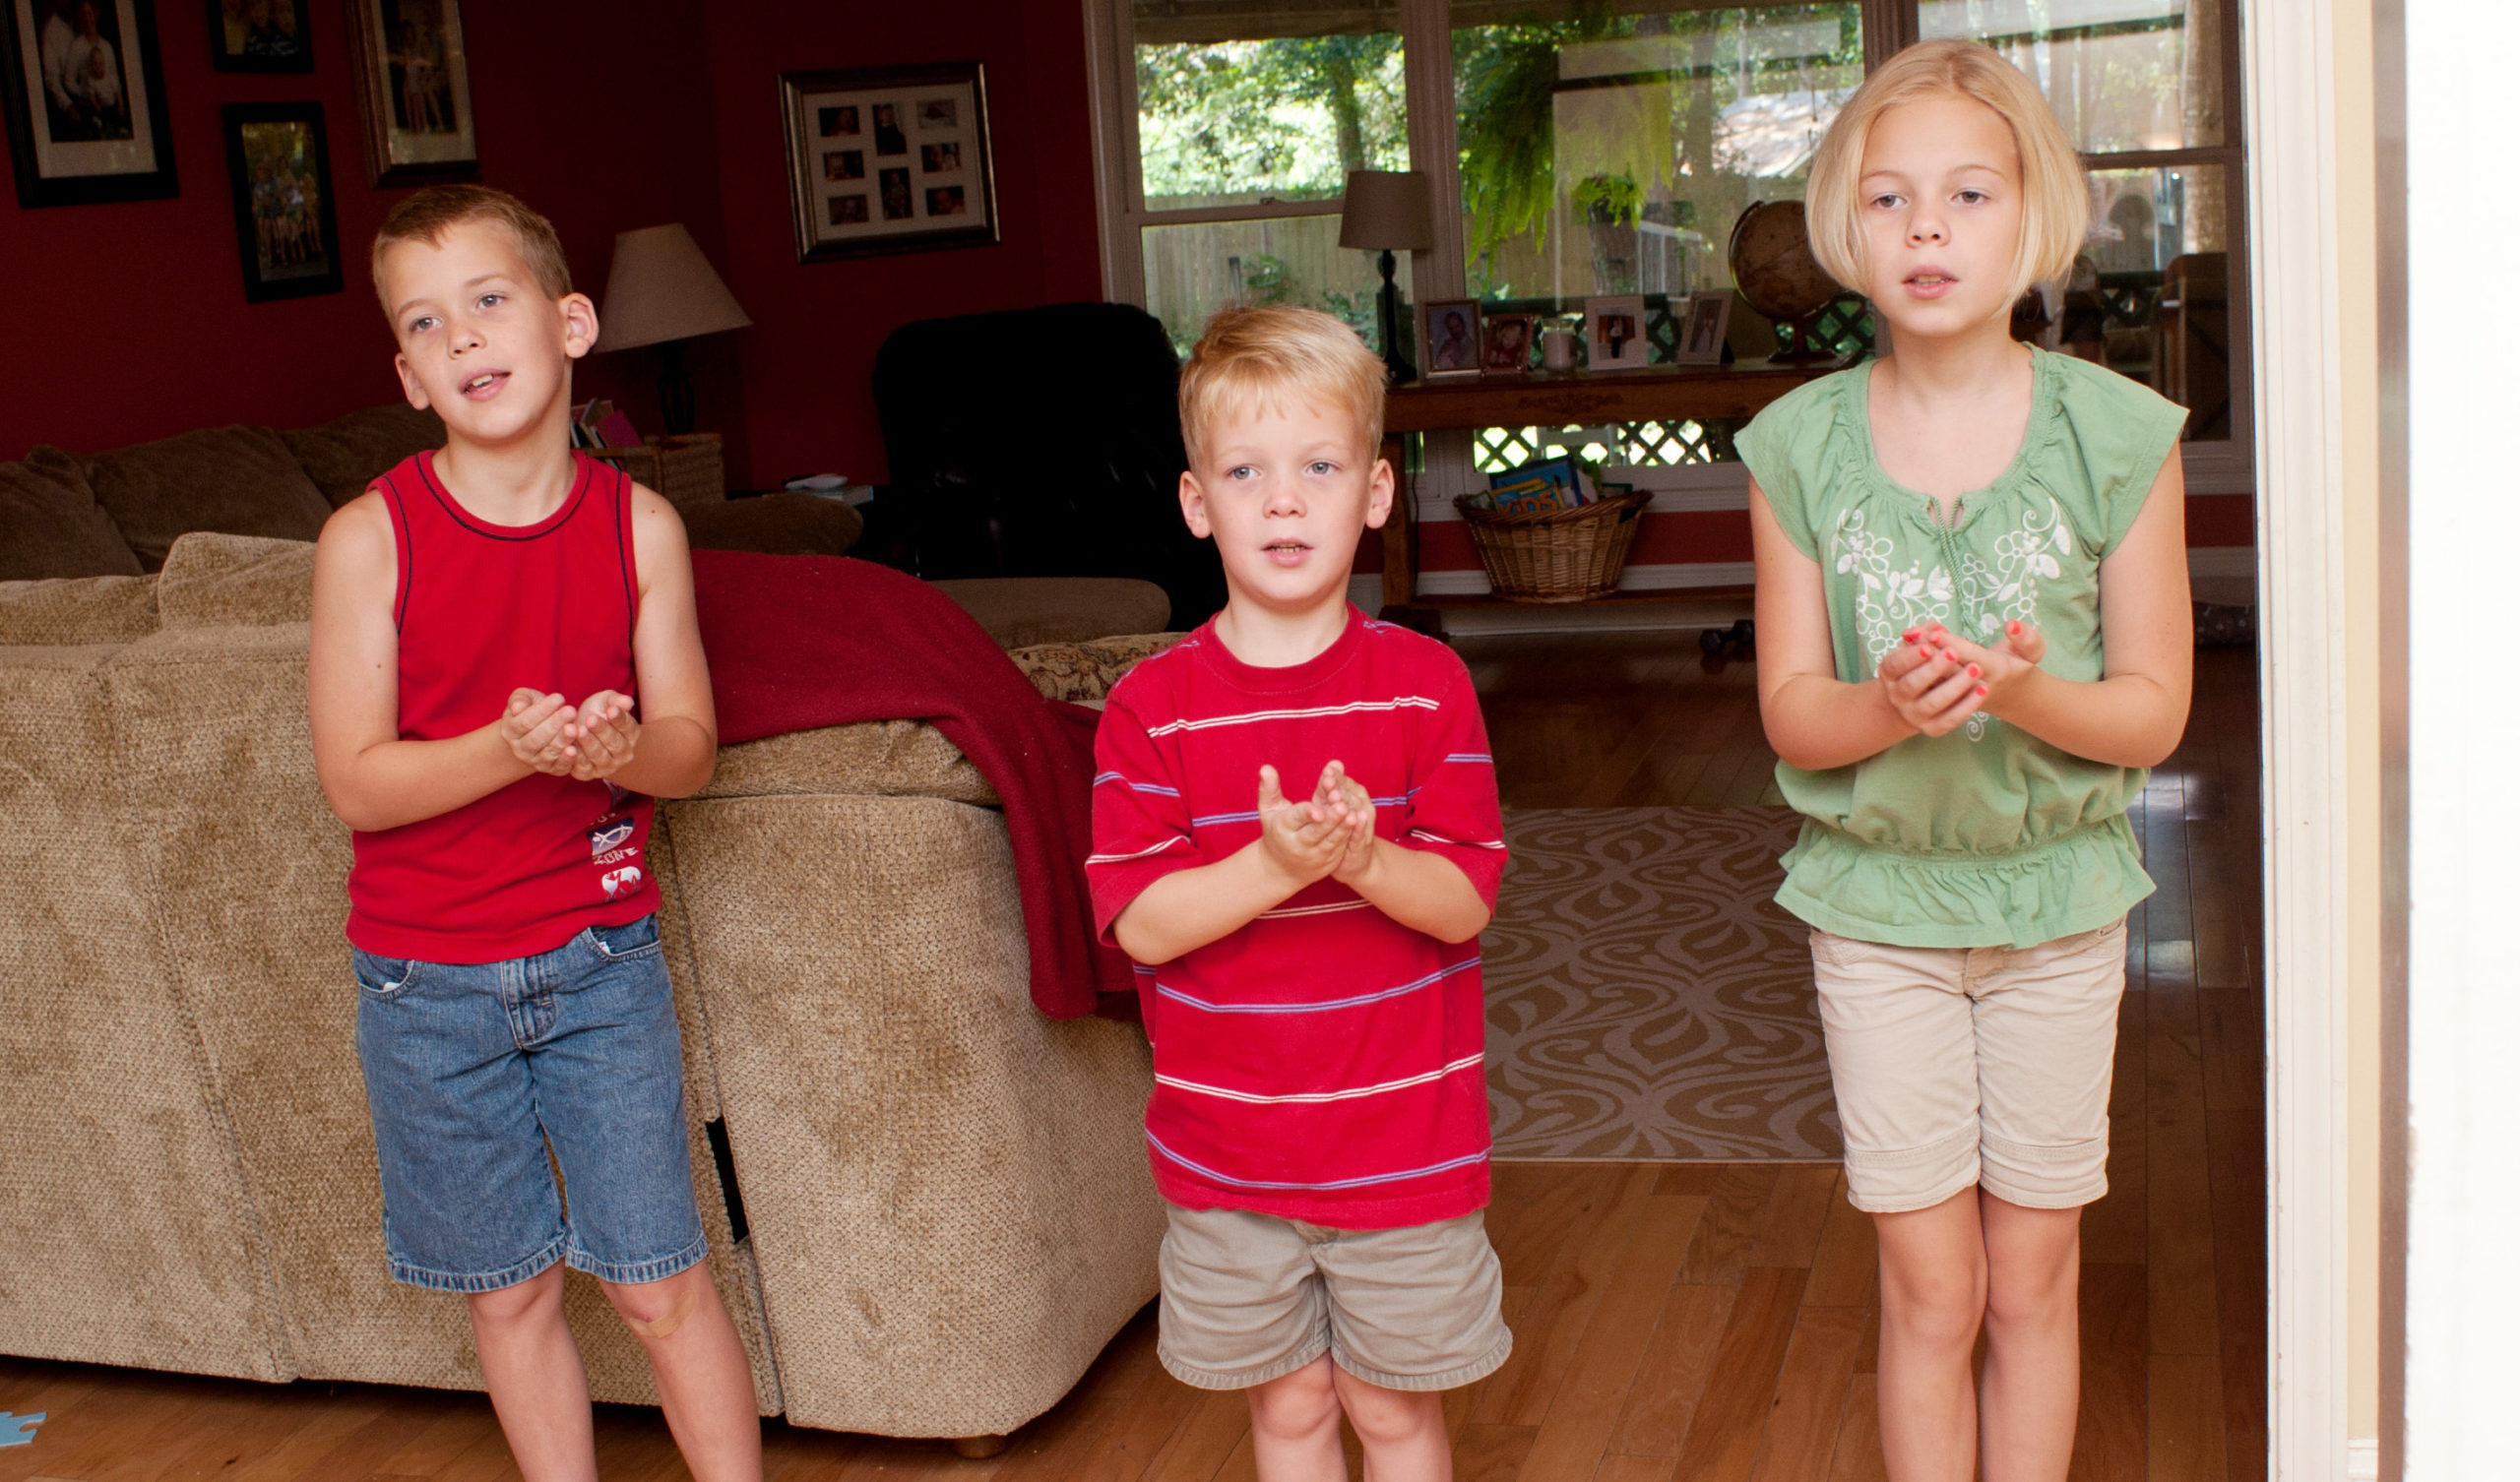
662,289
1391,210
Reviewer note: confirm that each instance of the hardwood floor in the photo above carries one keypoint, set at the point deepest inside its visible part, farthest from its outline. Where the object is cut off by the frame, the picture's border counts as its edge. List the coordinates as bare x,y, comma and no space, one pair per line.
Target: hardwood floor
1705,1323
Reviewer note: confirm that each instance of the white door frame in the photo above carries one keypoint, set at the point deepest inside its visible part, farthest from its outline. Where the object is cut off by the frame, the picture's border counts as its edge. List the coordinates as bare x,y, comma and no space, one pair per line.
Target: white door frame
2289,91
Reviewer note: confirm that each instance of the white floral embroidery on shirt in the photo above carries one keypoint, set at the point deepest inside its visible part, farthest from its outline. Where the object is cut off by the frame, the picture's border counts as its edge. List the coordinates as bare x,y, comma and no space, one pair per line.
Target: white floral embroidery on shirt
1891,601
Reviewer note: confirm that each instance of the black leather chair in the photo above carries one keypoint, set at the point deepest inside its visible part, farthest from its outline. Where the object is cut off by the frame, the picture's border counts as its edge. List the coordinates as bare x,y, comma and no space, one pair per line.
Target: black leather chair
1041,443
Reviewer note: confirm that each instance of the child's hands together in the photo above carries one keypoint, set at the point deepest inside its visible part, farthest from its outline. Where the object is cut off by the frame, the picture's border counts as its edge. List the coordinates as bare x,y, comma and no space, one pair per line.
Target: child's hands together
536,728
604,735
1344,794
1935,680
1301,840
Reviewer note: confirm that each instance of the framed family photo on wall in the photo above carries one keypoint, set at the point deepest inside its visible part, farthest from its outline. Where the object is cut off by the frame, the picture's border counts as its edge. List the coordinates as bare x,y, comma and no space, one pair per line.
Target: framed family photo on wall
414,93
259,35
888,159
282,185
86,100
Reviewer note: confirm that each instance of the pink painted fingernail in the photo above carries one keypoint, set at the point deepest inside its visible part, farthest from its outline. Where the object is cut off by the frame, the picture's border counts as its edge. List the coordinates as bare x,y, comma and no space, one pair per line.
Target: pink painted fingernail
1981,692
1974,671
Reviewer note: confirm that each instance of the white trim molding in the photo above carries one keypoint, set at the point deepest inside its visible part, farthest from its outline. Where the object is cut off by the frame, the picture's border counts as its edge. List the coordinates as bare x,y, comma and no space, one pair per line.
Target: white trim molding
2288,71
2462,1012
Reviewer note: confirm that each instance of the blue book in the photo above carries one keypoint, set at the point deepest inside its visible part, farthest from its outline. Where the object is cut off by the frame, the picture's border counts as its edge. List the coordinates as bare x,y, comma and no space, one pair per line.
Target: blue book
1564,475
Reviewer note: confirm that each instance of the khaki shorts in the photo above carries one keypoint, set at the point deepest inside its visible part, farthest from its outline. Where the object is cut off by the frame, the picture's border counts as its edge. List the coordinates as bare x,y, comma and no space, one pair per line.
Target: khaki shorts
1248,1298
1979,1064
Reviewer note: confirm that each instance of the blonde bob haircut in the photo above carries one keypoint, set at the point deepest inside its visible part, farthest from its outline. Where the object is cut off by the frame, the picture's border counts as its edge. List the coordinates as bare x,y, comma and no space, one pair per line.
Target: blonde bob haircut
2055,204
1269,357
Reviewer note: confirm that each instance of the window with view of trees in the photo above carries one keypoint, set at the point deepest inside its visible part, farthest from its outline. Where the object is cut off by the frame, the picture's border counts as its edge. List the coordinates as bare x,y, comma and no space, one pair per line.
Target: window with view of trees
1604,147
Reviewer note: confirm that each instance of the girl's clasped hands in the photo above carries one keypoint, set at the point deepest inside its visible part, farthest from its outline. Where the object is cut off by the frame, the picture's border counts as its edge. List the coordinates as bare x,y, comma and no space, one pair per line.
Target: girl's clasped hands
1935,680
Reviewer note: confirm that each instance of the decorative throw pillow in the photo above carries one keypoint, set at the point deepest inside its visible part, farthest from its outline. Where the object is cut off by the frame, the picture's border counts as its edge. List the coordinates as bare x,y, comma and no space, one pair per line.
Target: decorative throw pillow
234,481
344,454
51,526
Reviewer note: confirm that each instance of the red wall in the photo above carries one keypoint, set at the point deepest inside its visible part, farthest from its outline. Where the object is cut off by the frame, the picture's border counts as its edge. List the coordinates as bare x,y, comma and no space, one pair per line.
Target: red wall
129,321
806,360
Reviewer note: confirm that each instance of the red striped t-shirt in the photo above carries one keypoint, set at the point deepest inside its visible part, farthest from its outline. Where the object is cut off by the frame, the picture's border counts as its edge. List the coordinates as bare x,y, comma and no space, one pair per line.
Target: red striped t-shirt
1324,1062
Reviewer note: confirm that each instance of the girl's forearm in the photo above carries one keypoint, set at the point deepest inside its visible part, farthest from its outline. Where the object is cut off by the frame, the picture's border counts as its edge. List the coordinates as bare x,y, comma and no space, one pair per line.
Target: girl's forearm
1190,908
1422,892
2127,721
1817,723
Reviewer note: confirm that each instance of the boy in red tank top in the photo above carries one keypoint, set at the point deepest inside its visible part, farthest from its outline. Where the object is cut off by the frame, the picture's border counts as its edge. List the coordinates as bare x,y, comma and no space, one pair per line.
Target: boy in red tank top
1309,964
505,670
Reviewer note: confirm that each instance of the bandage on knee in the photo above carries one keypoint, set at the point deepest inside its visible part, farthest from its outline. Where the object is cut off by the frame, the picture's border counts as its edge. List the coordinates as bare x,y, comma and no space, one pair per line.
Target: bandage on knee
684,1301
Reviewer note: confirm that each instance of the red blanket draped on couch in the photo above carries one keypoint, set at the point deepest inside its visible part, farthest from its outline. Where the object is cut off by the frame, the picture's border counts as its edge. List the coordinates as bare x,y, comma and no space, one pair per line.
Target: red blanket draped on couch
797,642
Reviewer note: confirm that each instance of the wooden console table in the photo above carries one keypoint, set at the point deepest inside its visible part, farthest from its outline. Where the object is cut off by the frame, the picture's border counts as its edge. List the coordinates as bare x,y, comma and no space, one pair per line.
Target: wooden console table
1671,393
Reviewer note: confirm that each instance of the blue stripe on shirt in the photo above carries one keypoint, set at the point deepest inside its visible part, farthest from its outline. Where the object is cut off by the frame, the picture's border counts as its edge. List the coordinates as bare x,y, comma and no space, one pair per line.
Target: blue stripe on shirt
1436,976
1363,1181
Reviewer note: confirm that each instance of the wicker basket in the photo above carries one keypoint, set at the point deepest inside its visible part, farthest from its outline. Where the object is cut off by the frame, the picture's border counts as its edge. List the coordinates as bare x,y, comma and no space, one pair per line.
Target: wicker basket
1565,556
690,471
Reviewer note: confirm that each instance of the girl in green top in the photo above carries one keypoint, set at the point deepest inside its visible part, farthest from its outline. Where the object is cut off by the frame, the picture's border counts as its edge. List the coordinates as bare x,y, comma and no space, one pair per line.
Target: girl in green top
1974,635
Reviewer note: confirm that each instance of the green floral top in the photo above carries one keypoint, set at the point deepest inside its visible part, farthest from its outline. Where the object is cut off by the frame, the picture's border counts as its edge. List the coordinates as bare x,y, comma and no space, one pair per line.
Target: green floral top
1988,835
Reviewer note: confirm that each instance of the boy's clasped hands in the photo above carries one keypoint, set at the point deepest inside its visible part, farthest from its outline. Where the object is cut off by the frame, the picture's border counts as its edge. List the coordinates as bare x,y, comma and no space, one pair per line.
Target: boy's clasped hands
1935,679
1330,834
586,742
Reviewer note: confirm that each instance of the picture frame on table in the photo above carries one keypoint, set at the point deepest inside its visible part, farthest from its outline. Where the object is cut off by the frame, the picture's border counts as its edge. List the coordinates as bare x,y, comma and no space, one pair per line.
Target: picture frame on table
86,101
260,36
280,178
1505,343
884,159
1615,338
1448,337
1701,325
414,90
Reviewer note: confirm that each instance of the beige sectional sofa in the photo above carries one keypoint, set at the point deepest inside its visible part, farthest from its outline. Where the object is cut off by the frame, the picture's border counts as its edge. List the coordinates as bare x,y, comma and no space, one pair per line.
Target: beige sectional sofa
947,1205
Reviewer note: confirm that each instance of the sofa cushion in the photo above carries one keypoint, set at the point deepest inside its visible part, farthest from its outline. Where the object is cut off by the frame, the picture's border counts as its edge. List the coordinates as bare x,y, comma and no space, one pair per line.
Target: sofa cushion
78,610
51,526
236,581
343,455
235,480
1021,611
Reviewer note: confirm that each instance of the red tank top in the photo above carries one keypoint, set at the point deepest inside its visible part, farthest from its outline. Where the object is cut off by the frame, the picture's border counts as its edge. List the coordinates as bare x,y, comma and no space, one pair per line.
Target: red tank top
483,609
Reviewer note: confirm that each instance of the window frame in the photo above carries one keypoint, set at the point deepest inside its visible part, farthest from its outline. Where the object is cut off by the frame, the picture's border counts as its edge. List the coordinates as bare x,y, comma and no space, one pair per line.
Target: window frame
2217,466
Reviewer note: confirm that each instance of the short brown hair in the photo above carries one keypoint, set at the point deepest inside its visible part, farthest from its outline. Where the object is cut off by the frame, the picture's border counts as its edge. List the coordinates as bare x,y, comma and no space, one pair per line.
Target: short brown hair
425,214
1259,355
2055,204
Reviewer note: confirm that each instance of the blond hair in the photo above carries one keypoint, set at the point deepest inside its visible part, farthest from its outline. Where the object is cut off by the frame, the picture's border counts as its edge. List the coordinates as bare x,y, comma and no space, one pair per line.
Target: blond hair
2055,212
1263,356
426,214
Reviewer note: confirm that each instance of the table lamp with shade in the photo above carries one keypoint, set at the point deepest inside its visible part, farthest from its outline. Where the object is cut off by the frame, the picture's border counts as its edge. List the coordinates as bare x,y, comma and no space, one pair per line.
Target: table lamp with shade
1389,211
661,293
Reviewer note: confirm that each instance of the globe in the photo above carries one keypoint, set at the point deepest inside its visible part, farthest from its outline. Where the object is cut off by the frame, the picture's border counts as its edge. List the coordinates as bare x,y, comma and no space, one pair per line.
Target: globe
1773,266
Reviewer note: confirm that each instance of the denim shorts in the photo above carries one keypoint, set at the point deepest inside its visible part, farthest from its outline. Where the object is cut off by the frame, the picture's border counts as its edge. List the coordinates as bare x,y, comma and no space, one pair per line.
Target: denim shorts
470,1068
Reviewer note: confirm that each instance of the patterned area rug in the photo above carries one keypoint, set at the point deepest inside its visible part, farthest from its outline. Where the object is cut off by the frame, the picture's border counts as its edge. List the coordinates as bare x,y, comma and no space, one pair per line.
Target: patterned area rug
1646,998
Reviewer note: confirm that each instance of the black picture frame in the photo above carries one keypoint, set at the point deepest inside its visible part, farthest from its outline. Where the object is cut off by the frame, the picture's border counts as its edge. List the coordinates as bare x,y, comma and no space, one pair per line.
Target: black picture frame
413,132
35,132
226,31
909,168
268,232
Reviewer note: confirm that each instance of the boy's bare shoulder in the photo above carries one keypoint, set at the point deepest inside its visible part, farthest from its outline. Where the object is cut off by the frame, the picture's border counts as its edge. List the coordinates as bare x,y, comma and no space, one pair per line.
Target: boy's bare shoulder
359,530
